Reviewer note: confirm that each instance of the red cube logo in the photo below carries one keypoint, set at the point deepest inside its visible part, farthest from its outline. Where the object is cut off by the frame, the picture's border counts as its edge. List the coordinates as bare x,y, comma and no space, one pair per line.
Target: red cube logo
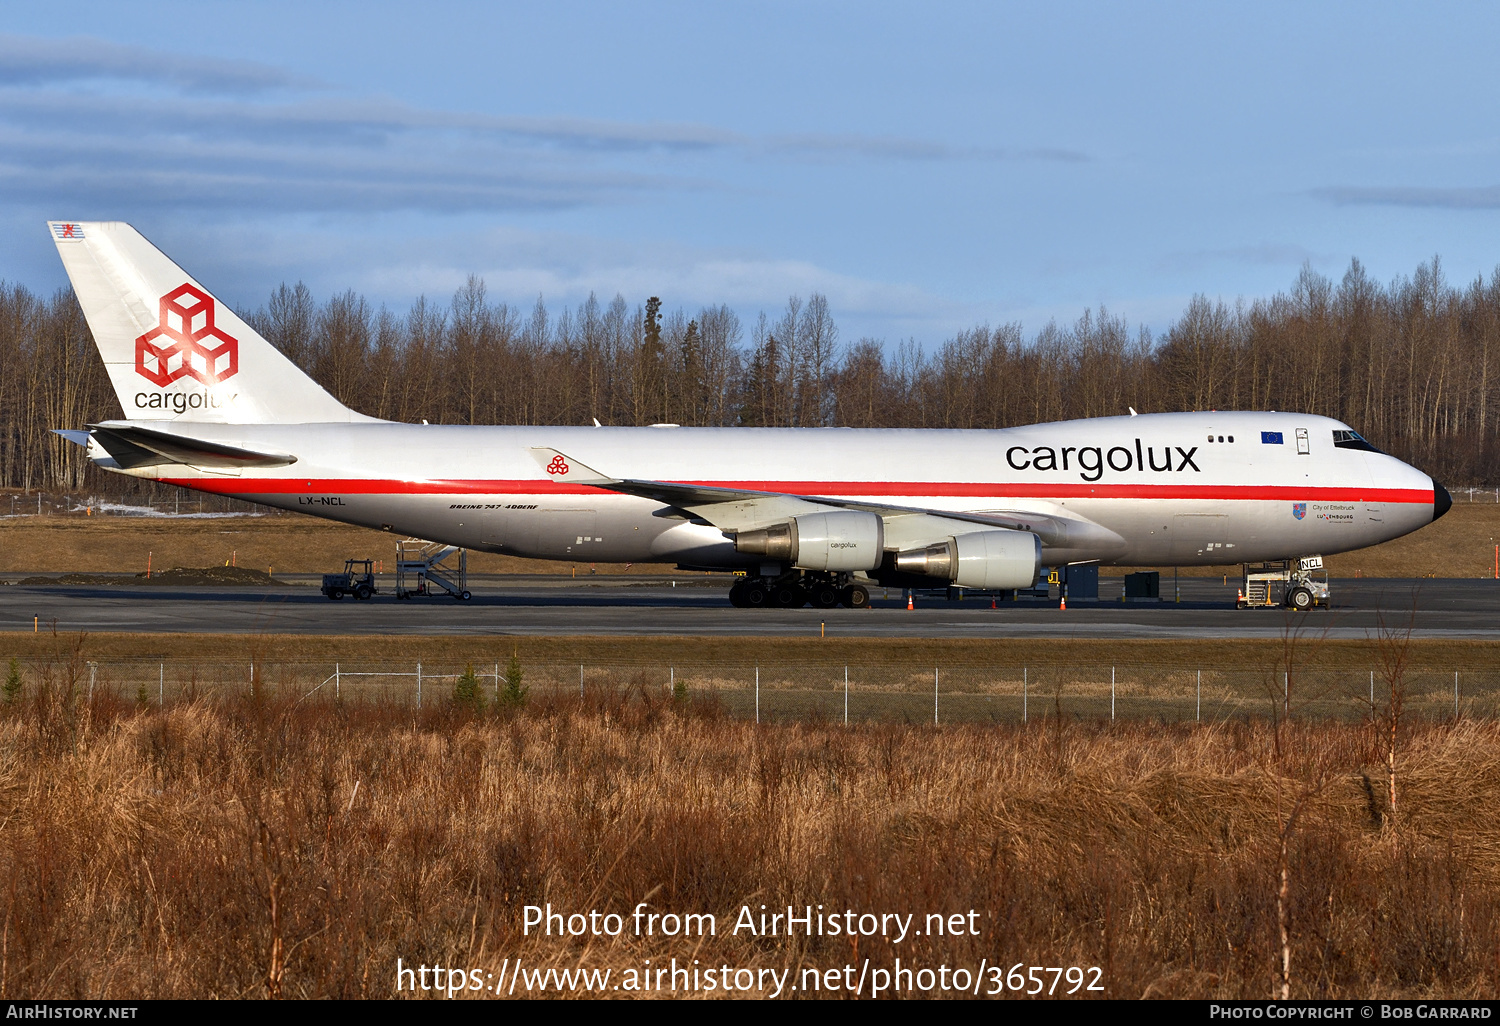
194,347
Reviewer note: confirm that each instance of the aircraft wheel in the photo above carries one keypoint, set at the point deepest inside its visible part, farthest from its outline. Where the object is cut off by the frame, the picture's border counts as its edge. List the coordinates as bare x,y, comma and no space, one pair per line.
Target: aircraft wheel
1300,599
856,597
755,595
788,596
824,596
335,593
737,594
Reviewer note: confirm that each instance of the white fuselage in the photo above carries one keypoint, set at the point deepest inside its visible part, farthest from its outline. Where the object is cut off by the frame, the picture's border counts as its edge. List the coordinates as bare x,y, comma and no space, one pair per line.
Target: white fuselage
1150,490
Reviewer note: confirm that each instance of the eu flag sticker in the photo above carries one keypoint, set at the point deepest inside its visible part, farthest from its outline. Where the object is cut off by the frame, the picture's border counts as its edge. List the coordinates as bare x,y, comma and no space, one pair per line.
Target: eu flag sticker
1270,438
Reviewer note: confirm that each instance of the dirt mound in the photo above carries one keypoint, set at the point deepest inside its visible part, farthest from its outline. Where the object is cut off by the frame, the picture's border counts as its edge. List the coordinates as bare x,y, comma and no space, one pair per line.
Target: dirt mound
209,576
217,576
74,579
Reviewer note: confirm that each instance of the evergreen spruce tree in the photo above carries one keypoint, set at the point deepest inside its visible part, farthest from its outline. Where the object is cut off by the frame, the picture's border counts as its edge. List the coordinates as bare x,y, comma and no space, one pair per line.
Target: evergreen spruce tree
466,690
690,388
651,330
13,682
513,694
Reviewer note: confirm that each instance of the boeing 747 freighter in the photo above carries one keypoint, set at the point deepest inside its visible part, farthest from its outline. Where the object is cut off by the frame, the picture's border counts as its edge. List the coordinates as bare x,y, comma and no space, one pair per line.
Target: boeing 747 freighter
809,514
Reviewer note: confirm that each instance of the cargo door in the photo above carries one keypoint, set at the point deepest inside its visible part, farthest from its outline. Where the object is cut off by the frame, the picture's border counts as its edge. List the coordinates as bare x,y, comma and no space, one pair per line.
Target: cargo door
1201,538
546,533
568,533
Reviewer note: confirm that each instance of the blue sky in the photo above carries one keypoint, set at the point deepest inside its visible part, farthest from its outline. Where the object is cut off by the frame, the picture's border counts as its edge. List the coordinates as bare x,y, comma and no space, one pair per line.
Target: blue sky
926,166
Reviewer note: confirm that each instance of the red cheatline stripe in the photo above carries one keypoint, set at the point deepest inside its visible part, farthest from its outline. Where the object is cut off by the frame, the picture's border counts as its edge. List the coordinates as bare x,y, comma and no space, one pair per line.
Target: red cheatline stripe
908,489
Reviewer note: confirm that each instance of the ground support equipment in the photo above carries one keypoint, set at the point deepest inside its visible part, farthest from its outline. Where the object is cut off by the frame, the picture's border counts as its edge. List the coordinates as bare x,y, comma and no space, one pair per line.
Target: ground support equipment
422,568
1297,584
794,588
358,579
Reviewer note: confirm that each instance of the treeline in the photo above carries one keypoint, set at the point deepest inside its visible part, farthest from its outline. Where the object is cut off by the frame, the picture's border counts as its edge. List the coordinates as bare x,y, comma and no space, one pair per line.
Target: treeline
1410,364
51,376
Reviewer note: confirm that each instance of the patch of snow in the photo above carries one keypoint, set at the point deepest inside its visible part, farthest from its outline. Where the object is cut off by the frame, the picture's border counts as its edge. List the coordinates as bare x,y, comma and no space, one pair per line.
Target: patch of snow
117,509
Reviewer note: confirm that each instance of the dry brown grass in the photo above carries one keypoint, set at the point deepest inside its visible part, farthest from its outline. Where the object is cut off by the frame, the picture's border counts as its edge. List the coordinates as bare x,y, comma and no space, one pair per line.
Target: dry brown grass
254,845
1459,545
919,654
288,543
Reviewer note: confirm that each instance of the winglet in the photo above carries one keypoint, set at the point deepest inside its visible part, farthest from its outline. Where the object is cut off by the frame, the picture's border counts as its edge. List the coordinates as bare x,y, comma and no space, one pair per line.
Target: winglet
565,468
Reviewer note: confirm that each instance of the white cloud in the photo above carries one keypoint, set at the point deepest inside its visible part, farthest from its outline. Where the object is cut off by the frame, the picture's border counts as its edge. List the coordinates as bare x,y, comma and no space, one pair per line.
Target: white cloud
239,137
892,148
1484,197
32,60
196,150
518,265
1271,254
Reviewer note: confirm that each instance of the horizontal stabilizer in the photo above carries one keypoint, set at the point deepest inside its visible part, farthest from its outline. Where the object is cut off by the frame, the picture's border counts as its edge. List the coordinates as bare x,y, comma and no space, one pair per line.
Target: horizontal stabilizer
133,447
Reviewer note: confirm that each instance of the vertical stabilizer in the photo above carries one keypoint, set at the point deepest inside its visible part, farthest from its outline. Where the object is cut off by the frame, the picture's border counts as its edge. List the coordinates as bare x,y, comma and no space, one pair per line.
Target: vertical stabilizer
172,350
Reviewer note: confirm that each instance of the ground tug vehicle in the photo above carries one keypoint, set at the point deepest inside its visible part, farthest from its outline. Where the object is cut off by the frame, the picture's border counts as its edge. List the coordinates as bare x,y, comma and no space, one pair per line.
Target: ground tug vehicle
358,579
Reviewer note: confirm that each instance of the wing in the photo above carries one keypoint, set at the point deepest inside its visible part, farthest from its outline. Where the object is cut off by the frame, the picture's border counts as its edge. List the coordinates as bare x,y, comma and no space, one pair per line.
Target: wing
738,509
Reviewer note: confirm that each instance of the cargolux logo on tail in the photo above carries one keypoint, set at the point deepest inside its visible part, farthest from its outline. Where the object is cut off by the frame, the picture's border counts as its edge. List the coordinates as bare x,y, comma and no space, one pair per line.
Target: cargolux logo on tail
194,347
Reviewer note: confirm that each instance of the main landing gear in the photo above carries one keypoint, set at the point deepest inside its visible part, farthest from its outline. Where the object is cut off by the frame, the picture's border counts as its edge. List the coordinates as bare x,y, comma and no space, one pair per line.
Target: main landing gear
798,588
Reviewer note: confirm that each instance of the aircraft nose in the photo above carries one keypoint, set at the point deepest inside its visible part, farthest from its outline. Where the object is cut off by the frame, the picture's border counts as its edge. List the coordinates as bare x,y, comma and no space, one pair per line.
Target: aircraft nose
1442,502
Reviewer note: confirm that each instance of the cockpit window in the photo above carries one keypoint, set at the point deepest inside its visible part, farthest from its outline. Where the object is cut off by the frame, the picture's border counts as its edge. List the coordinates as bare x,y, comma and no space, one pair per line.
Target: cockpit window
1351,440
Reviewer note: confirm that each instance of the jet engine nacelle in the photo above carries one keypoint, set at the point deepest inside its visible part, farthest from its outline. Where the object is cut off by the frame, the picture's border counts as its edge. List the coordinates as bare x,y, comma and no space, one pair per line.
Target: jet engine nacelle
982,559
841,541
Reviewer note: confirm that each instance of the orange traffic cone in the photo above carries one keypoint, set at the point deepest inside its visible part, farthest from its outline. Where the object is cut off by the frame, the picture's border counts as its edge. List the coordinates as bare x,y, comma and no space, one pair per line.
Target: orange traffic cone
1064,606
909,604
992,604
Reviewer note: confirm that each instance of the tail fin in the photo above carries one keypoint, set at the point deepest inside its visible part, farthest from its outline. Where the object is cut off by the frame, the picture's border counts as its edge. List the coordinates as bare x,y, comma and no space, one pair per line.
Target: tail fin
172,350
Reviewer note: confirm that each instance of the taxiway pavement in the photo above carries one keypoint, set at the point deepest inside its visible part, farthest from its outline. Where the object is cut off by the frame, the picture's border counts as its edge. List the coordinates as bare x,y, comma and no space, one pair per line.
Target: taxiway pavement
696,605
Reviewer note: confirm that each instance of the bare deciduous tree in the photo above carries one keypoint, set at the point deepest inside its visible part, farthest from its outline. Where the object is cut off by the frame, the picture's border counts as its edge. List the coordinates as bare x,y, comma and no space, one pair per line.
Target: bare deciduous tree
1412,365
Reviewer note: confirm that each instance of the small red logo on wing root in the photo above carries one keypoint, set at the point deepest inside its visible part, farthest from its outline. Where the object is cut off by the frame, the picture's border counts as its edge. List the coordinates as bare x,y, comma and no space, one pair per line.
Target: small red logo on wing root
187,322
557,466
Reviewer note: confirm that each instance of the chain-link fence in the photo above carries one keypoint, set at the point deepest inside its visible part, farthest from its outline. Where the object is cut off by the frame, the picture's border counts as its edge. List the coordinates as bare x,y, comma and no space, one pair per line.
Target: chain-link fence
908,693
